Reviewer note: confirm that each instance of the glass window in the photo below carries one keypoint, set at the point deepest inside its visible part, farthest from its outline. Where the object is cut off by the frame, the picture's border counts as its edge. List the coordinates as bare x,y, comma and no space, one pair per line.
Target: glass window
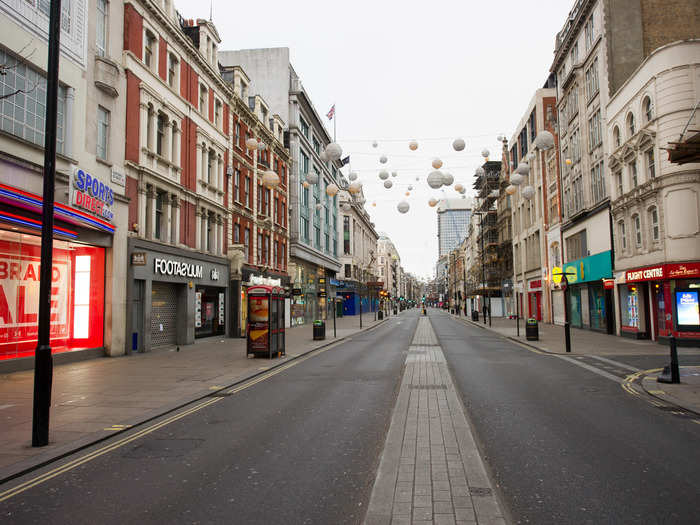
157,227
246,243
304,127
631,129
648,109
618,180
102,132
616,136
654,220
346,235
149,50
160,136
172,70
202,99
637,230
101,28
623,234
236,234
651,164
634,179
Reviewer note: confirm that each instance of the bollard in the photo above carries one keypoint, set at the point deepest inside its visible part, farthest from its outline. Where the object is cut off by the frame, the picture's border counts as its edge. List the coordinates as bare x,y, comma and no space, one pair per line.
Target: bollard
671,374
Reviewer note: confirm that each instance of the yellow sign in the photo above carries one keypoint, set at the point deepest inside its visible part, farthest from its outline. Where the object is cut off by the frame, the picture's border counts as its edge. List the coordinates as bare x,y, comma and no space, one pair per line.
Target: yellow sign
571,274
556,274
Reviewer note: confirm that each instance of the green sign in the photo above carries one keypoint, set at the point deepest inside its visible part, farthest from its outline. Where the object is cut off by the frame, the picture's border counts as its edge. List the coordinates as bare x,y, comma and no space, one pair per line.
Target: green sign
592,268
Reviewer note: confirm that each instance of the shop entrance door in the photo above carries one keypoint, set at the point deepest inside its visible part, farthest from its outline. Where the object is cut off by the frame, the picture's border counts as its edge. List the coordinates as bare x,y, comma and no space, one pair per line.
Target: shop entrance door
163,314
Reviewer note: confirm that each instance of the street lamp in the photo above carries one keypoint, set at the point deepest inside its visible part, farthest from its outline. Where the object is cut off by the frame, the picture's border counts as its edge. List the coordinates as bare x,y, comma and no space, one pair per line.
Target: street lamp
565,288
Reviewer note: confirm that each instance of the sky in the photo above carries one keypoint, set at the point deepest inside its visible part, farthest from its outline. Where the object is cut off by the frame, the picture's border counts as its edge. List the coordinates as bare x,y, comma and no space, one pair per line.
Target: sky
396,70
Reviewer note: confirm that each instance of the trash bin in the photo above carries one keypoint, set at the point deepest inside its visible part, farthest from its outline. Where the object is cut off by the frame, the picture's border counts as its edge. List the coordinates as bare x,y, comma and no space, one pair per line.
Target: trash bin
380,315
319,330
532,331
475,315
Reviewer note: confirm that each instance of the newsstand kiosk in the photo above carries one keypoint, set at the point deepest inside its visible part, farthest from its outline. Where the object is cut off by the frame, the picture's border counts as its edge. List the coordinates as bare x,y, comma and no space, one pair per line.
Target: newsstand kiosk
266,335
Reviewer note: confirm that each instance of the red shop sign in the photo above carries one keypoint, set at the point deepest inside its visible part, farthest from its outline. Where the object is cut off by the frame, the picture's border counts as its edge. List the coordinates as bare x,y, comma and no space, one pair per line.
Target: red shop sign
609,284
645,274
664,271
683,270
537,283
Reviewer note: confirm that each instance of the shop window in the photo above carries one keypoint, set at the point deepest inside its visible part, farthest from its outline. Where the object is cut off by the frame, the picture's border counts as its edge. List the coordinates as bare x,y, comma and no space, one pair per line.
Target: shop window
81,306
629,307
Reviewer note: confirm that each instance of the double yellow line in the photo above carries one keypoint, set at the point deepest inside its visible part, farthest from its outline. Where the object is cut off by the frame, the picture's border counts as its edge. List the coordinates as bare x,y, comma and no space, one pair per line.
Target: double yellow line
46,476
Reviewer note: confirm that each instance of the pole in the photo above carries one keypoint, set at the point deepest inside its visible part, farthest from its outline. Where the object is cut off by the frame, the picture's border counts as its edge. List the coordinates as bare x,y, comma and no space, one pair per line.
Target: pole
373,304
43,361
517,314
675,372
567,327
360,305
335,305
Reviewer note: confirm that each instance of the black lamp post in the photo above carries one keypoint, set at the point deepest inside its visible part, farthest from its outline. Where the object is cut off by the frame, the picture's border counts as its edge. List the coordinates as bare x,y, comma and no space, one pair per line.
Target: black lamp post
567,327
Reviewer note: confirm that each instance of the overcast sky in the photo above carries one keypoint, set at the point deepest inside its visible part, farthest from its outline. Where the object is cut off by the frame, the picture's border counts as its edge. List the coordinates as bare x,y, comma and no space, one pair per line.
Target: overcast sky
397,70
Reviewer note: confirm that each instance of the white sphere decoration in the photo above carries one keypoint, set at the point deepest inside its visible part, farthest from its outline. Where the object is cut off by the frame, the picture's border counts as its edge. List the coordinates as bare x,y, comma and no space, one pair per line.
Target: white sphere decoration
463,191
403,207
383,174
485,153
435,179
375,144
305,184
312,178
510,189
447,179
352,176
500,138
251,143
479,172
528,192
394,174
332,189
413,145
417,179
383,159
530,156
544,140
523,168
355,187
334,151
459,187
270,179
261,146
516,179
437,164
410,187
346,206
432,202
388,184
458,144
323,156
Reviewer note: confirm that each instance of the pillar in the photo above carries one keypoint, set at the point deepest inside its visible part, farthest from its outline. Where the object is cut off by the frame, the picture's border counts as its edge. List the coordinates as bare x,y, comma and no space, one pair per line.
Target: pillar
152,130
68,123
144,122
151,212
167,143
167,227
175,235
176,146
198,228
219,235
142,201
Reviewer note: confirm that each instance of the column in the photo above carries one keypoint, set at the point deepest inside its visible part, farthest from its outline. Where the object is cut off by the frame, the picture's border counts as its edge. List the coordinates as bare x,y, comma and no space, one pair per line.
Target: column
142,201
167,143
175,234
68,123
205,231
198,229
152,129
219,234
143,124
167,219
176,146
220,174
205,164
198,162
151,212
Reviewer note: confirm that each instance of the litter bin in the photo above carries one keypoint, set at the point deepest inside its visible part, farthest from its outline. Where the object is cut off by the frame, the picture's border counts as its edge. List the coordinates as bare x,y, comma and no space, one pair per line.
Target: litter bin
475,315
380,315
532,331
319,330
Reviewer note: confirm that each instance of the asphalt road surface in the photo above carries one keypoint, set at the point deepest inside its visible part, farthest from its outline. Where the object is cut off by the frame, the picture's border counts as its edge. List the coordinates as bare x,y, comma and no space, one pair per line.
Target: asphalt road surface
300,447
566,445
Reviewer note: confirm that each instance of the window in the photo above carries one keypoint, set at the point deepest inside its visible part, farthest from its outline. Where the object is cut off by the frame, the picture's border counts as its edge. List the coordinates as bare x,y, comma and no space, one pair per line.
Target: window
237,190
246,243
305,229
149,50
574,54
651,164
172,70
260,248
623,234
588,32
160,135
304,127
244,91
102,132
283,255
648,109
576,246
633,174
630,124
203,96
101,28
595,134
218,113
304,163
236,234
654,221
618,181
283,221
597,183
637,230
238,134
211,167
577,203
81,304
616,136
576,146
346,235
592,83
348,271
24,114
266,196
158,226
317,146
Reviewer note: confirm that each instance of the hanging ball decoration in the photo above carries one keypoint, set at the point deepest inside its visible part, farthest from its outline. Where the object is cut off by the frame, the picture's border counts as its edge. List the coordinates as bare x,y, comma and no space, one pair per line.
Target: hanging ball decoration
528,192
447,179
568,162
530,156
374,205
544,140
413,145
323,156
485,153
432,202
408,194
403,207
305,184
334,151
479,172
500,138
510,189
312,178
458,144
346,206
410,187
417,179
383,175
463,191
523,168
261,146
352,176
516,179
388,184
435,179
437,164
332,190
355,187
251,143
459,187
394,174
270,179
375,144
383,159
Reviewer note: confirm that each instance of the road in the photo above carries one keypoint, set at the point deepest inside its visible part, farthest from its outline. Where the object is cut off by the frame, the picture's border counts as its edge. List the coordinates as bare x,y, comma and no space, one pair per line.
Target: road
300,447
566,445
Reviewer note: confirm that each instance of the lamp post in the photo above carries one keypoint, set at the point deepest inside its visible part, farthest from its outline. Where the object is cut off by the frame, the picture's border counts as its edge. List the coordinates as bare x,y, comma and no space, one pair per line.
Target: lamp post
567,327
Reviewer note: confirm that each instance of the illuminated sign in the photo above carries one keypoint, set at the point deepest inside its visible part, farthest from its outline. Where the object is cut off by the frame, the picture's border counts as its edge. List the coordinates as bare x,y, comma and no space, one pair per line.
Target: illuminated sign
687,309
646,274
178,268
92,195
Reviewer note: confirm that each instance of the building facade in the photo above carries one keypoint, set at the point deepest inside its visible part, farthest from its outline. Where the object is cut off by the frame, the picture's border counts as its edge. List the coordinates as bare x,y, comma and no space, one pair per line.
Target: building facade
452,220
388,267
89,268
655,203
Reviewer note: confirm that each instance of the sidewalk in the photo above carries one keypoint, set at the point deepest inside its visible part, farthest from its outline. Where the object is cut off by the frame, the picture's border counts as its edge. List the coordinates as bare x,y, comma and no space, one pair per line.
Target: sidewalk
96,398
587,343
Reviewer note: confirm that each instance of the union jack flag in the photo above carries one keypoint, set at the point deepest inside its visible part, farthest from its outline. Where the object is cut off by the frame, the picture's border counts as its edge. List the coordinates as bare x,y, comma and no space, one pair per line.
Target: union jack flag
331,112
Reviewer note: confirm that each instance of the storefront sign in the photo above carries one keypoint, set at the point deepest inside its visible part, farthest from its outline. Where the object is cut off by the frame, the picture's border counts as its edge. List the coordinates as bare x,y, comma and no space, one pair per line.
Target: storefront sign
138,259
609,284
688,309
535,285
198,310
221,309
664,271
259,280
592,268
296,291
177,268
214,275
92,195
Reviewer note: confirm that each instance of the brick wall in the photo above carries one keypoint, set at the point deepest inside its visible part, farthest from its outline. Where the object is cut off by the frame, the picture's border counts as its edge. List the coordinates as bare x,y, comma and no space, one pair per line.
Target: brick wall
133,31
163,59
133,117
188,154
132,192
187,224
665,21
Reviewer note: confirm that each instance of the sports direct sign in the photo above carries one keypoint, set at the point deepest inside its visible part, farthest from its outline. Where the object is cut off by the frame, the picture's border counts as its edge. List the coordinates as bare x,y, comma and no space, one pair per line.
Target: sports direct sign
92,195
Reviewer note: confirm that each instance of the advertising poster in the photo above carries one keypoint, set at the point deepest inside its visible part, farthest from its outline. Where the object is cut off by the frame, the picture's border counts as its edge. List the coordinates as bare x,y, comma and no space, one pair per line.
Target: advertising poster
198,310
687,308
258,328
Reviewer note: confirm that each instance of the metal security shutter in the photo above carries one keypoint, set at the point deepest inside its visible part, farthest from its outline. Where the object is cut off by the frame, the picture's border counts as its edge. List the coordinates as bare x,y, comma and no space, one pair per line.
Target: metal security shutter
163,312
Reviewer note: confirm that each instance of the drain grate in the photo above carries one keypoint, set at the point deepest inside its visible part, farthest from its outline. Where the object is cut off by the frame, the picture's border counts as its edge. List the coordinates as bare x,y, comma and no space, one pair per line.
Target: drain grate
480,491
428,387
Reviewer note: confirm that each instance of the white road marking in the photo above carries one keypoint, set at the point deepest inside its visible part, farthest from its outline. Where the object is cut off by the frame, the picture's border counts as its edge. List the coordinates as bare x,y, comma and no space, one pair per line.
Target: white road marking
616,363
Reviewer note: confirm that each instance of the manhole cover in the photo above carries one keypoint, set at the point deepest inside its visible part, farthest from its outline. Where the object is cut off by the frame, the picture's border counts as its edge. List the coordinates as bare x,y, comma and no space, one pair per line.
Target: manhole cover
480,491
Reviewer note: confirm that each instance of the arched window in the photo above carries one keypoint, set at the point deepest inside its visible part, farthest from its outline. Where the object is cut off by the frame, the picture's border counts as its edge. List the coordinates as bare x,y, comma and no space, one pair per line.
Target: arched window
160,133
637,230
654,222
211,167
631,127
648,108
616,136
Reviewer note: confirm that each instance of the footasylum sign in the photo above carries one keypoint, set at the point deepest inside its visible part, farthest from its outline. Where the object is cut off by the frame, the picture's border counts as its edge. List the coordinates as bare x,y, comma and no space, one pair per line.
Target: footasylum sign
177,268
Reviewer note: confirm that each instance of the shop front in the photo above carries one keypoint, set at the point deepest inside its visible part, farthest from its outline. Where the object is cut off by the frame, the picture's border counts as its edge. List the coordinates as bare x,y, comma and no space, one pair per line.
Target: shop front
534,299
175,296
590,303
81,238
312,286
652,303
